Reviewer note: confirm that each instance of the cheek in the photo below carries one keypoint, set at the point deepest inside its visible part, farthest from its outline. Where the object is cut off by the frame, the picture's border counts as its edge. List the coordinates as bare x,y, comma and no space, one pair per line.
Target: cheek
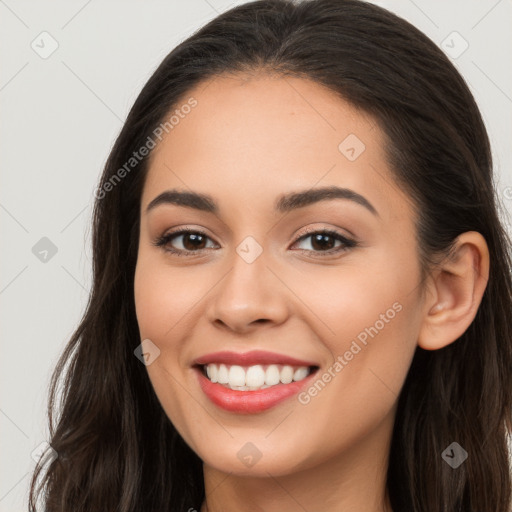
164,297
361,293
160,304
359,389
369,319
152,298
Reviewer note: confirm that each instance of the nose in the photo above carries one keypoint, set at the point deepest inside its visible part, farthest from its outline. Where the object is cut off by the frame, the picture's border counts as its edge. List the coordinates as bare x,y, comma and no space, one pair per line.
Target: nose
249,294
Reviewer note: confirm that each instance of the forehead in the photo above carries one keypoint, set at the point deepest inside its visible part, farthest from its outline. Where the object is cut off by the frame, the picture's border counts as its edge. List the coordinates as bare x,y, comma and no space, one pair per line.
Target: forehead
257,136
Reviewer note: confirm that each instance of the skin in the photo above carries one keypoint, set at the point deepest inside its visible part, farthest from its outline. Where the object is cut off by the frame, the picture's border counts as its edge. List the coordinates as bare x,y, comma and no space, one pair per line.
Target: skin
250,139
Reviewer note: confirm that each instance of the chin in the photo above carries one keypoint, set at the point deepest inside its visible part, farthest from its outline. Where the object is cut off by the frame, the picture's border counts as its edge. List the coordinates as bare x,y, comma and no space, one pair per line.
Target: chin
246,458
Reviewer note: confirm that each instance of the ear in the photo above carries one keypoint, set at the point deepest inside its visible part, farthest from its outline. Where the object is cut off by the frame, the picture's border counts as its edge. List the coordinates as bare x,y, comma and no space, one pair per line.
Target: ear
455,292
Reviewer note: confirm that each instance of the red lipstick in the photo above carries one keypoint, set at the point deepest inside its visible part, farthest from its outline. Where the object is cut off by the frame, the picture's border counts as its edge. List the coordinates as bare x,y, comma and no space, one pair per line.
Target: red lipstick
250,402
251,358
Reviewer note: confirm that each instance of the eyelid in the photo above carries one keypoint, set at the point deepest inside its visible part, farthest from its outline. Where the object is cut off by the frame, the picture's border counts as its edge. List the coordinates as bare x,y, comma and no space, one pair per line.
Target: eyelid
310,231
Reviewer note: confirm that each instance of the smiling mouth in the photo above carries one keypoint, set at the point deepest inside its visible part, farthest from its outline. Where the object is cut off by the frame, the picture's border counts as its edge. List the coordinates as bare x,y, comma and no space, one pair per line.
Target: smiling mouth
254,377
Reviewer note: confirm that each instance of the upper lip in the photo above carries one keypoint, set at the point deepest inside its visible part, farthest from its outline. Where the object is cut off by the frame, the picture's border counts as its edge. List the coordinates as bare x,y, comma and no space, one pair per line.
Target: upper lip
250,358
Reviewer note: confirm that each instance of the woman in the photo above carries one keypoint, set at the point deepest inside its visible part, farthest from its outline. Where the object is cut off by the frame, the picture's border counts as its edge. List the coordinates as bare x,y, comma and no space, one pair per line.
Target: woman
301,284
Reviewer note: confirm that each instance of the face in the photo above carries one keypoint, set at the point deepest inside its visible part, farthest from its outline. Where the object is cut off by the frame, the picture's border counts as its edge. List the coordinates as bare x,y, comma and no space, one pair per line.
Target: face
260,273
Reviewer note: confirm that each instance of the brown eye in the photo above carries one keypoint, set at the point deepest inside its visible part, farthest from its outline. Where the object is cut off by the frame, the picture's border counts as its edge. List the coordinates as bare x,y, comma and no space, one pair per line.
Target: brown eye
325,240
192,241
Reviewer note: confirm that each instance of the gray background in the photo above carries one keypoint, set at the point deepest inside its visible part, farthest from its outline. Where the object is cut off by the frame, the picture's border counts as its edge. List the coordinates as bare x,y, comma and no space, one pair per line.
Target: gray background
59,118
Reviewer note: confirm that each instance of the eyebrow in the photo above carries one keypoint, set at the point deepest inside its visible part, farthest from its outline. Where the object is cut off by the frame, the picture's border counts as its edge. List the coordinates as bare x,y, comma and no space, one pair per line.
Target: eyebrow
285,203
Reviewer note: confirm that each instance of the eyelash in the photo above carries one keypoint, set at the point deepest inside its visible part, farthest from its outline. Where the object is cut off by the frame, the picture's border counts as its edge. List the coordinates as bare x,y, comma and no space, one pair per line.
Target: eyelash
163,240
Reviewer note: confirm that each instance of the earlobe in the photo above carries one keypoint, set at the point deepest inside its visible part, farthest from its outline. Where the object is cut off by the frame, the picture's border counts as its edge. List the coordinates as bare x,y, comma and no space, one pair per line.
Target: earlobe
455,292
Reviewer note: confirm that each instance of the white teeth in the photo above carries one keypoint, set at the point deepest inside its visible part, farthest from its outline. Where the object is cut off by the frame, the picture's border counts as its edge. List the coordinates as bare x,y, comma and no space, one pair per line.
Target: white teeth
300,373
222,374
236,376
272,375
211,370
286,374
254,377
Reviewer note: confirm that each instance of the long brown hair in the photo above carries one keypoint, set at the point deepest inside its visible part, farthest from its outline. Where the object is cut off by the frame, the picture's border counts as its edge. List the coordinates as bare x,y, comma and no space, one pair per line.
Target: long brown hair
117,449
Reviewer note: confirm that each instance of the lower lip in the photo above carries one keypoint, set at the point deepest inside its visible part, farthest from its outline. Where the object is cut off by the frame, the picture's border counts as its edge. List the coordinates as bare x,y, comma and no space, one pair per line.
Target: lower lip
249,402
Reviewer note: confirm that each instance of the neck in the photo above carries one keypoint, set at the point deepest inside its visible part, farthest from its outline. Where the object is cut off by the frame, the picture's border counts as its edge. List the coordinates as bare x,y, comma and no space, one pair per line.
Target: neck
353,480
